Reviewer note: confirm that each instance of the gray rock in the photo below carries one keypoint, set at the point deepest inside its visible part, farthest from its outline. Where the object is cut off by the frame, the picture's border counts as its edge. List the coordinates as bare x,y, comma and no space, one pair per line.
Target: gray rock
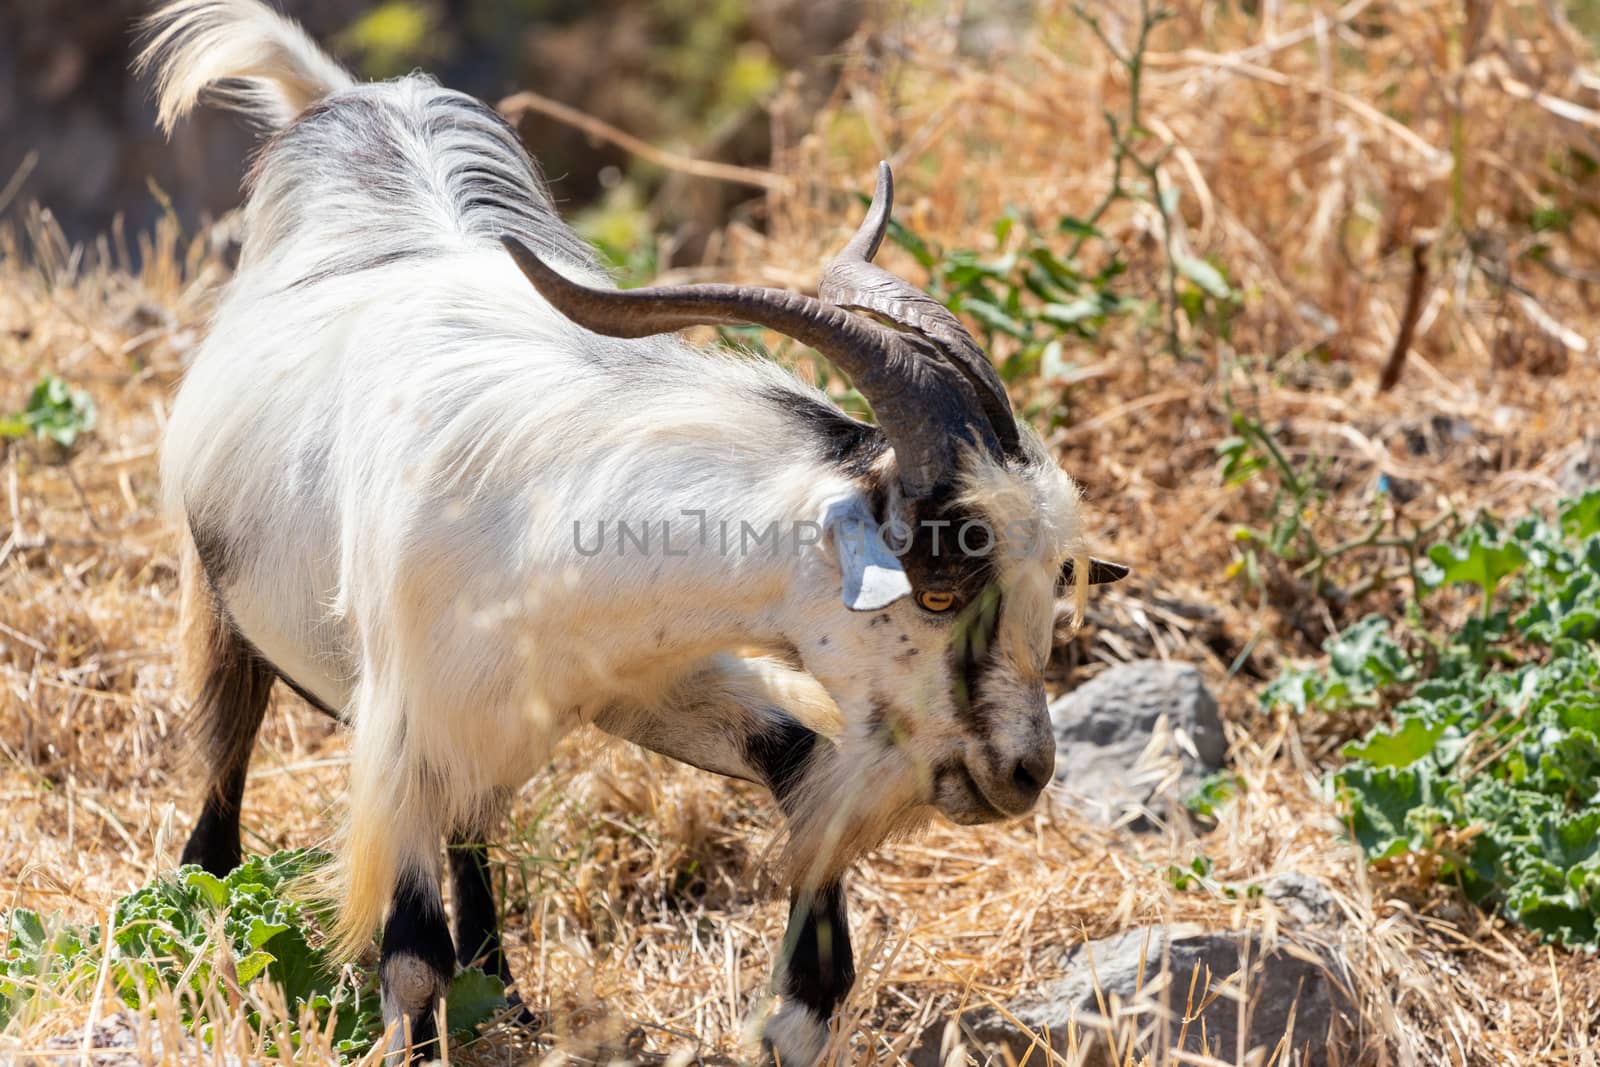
990,29
1250,993
121,1039
1581,471
1303,899
1109,761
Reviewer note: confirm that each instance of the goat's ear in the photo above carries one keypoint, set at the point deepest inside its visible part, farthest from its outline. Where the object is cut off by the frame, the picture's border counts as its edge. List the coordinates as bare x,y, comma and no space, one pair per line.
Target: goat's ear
1101,572
870,576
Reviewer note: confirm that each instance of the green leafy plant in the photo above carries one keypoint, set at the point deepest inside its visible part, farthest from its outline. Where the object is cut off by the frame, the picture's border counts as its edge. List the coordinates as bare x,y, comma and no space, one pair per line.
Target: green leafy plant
200,935
1215,792
1197,877
392,37
54,410
1487,761
1028,292
621,228
1482,558
1252,451
1361,661
1290,527
1036,291
1036,295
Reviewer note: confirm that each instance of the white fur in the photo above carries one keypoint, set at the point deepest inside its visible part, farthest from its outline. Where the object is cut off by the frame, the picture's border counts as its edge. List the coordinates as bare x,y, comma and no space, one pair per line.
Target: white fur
395,436
799,1037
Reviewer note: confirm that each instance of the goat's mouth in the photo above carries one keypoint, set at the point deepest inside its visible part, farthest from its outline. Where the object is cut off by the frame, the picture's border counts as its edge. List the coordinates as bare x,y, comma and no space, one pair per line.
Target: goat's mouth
958,797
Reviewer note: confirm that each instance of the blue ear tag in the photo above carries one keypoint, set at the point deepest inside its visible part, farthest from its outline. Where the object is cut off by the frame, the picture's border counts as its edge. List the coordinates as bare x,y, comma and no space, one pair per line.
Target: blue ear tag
870,575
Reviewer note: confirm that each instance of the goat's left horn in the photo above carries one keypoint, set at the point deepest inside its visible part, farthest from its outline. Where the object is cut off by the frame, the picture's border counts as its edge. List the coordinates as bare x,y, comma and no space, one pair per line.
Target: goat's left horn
852,280
923,402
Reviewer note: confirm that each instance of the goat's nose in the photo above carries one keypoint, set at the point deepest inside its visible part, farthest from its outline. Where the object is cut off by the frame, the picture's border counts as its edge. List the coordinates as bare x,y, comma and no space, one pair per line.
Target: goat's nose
1031,774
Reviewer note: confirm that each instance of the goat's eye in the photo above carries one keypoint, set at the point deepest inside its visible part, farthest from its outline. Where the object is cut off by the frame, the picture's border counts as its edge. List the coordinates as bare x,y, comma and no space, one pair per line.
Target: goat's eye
936,602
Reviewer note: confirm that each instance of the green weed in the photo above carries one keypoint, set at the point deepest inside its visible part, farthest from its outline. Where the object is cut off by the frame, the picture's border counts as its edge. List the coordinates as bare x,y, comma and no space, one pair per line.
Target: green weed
197,934
55,411
1488,760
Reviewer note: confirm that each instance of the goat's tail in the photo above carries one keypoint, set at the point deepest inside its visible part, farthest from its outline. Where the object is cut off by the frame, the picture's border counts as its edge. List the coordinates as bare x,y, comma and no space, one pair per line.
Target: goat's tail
270,68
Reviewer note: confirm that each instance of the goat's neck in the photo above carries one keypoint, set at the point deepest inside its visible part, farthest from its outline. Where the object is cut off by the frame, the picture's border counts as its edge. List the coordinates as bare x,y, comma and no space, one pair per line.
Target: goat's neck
742,571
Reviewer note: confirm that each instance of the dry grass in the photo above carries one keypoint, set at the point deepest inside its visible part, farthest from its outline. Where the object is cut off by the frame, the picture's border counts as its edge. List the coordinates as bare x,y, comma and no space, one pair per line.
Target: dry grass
1314,146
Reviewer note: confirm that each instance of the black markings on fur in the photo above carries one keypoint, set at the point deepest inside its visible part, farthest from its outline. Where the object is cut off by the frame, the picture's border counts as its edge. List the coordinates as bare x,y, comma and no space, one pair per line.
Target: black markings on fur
408,154
819,967
850,445
880,722
417,928
214,844
477,923
227,713
780,752
303,693
970,659
354,265
217,559
937,559
971,679
486,189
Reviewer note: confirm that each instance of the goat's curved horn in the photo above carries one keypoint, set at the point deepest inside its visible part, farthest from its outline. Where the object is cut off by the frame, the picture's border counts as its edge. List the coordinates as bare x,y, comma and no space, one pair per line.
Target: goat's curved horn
922,401
851,280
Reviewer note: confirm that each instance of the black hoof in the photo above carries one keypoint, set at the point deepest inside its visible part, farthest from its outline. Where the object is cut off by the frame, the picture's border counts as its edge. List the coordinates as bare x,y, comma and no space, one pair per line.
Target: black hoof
423,1044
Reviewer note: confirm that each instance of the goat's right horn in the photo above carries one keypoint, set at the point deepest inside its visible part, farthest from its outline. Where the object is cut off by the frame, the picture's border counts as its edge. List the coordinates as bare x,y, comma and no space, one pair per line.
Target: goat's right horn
922,401
852,280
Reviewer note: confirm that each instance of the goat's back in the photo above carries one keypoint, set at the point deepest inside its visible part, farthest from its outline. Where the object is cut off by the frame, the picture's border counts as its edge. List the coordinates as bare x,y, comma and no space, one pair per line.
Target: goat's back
372,172
389,171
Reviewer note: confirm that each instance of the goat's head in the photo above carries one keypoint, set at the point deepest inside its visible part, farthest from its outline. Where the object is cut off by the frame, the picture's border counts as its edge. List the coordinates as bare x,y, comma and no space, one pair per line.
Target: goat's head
949,551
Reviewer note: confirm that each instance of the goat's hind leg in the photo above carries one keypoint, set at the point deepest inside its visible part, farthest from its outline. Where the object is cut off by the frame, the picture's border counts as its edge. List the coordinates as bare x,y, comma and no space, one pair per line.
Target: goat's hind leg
232,686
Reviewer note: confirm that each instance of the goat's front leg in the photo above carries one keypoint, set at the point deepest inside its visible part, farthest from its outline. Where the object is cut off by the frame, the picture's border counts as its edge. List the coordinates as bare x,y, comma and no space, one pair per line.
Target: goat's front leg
813,975
417,961
478,942
732,718
477,922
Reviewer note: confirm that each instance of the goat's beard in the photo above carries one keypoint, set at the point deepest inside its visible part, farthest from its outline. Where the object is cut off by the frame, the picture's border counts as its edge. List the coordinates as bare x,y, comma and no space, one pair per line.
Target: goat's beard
853,798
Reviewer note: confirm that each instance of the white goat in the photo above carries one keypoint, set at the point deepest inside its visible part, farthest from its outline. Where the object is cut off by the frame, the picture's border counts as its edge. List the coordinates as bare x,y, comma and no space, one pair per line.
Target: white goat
468,515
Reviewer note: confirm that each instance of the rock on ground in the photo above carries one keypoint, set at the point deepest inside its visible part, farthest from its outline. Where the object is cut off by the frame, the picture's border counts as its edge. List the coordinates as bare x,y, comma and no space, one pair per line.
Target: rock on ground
1245,991
1304,900
1133,738
1581,471
119,1039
